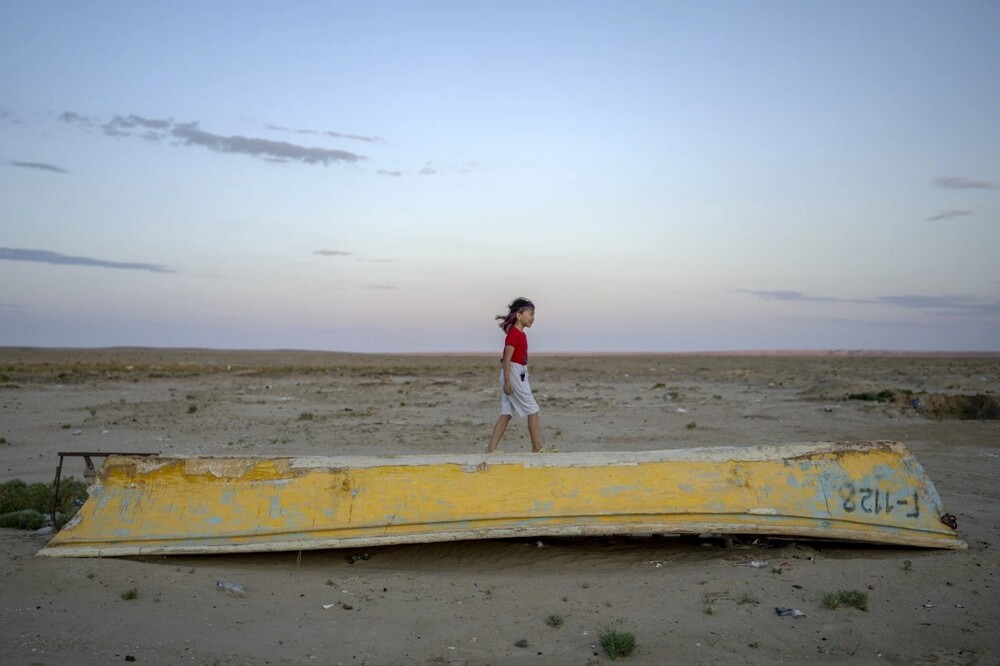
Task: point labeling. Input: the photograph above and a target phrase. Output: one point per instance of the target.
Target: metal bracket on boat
(90, 473)
(950, 520)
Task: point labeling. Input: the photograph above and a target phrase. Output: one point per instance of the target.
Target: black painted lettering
(866, 495)
(916, 507)
(847, 492)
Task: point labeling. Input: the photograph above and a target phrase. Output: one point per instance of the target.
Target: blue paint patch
(275, 508)
(617, 490)
(542, 506)
(686, 487)
(214, 520)
(228, 496)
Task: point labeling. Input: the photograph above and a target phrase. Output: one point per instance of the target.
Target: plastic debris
(328, 606)
(793, 612)
(232, 589)
(355, 558)
(758, 564)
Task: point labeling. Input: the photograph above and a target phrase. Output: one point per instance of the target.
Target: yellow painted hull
(862, 491)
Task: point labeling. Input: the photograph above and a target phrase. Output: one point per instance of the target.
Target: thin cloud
(48, 257)
(951, 214)
(799, 296)
(38, 165)
(431, 167)
(191, 134)
(924, 302)
(909, 301)
(333, 253)
(335, 135)
(394, 174)
(961, 183)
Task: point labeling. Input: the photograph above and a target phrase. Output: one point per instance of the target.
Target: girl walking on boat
(515, 394)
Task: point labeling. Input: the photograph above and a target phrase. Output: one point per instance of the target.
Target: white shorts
(520, 402)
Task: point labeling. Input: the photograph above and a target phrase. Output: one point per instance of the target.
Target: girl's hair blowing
(517, 305)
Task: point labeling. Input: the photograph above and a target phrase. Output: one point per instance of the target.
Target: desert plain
(543, 601)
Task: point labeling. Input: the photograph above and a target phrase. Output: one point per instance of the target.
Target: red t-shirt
(519, 341)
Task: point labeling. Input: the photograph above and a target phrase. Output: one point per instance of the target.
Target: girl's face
(526, 317)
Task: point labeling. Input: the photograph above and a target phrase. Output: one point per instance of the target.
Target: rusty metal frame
(89, 473)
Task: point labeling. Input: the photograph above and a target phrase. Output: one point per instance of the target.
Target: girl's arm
(508, 353)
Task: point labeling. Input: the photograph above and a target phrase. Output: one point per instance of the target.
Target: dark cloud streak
(951, 214)
(42, 166)
(191, 134)
(48, 257)
(961, 183)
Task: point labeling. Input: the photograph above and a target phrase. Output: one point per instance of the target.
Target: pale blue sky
(386, 176)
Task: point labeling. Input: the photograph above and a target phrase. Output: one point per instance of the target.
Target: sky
(657, 176)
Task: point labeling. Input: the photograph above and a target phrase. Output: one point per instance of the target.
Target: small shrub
(130, 594)
(870, 396)
(854, 598)
(659, 385)
(306, 416)
(25, 519)
(523, 643)
(747, 597)
(555, 621)
(16, 495)
(192, 409)
(617, 643)
(691, 426)
(709, 610)
(907, 565)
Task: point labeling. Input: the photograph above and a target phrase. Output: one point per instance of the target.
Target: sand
(687, 601)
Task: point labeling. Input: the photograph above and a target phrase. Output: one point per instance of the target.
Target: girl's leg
(535, 430)
(498, 431)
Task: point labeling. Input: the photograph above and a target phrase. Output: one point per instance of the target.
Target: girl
(515, 396)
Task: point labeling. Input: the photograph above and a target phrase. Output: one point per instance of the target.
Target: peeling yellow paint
(866, 491)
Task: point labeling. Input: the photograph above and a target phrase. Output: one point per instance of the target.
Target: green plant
(691, 426)
(907, 565)
(747, 597)
(854, 598)
(306, 416)
(709, 610)
(130, 594)
(617, 643)
(192, 409)
(16, 495)
(555, 621)
(25, 519)
(882, 396)
(523, 643)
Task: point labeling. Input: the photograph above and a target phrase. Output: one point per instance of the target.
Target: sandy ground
(687, 601)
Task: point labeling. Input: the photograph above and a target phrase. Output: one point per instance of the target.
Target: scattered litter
(758, 564)
(928, 605)
(917, 403)
(354, 558)
(44, 531)
(828, 409)
(657, 563)
(793, 612)
(232, 589)
(959, 606)
(797, 586)
(539, 544)
(681, 410)
(328, 606)
(77, 432)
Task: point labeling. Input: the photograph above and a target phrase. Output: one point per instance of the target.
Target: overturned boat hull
(856, 491)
